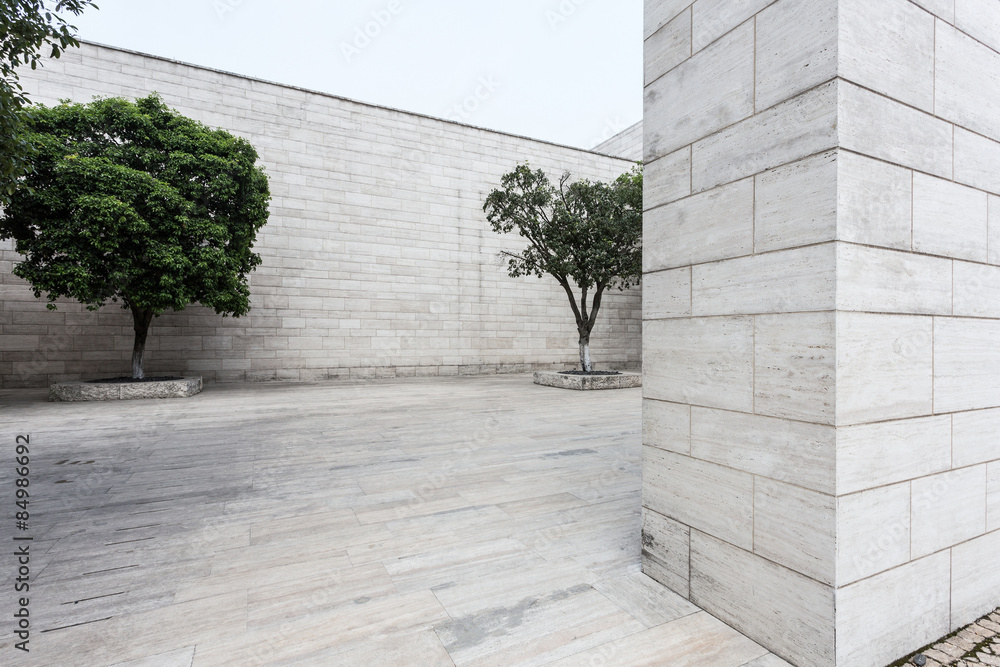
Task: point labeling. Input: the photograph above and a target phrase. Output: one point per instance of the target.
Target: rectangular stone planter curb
(585, 382)
(124, 391)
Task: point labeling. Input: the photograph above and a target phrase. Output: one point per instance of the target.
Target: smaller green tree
(584, 233)
(133, 202)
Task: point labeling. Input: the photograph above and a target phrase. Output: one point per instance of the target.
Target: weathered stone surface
(583, 382)
(114, 391)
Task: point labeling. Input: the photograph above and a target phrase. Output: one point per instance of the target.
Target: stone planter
(584, 382)
(124, 391)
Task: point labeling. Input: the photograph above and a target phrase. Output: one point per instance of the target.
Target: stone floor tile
(697, 640)
(646, 600)
(457, 521)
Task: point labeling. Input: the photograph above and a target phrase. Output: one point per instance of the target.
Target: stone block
(666, 426)
(796, 49)
(967, 95)
(667, 179)
(795, 366)
(949, 219)
(668, 47)
(966, 364)
(800, 279)
(974, 437)
(873, 202)
(994, 229)
(977, 161)
(993, 496)
(666, 551)
(784, 610)
(666, 294)
(712, 498)
(796, 528)
(799, 127)
(979, 19)
(702, 95)
(885, 368)
(623, 380)
(873, 455)
(975, 578)
(888, 46)
(796, 204)
(975, 288)
(882, 128)
(111, 391)
(886, 616)
(708, 226)
(10, 343)
(703, 361)
(887, 281)
(714, 18)
(658, 14)
(781, 449)
(873, 532)
(947, 508)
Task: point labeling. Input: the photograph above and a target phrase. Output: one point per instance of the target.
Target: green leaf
(133, 202)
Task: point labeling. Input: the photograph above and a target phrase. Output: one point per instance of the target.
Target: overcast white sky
(568, 71)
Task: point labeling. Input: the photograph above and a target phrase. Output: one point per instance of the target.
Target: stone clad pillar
(821, 306)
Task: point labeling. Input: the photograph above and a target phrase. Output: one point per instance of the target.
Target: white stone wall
(822, 318)
(626, 144)
(377, 259)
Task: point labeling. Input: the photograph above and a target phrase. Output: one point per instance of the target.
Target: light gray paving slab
(348, 523)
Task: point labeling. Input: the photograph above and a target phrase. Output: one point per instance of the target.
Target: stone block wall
(626, 144)
(822, 318)
(377, 259)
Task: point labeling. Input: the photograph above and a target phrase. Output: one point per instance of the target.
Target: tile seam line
(856, 244)
(890, 313)
(831, 149)
(710, 44)
(838, 145)
(664, 24)
(819, 424)
(831, 587)
(758, 113)
(737, 180)
(915, 170)
(954, 26)
(752, 474)
(319, 93)
(910, 480)
(916, 560)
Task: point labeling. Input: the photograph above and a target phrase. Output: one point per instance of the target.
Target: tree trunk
(140, 324)
(585, 352)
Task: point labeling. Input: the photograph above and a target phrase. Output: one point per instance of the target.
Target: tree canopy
(25, 27)
(133, 202)
(583, 233)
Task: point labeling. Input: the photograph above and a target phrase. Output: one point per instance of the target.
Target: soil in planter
(590, 373)
(161, 378)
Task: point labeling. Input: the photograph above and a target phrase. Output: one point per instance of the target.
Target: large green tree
(585, 234)
(26, 27)
(133, 202)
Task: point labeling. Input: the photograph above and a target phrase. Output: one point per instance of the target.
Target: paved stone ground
(463, 521)
(975, 644)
